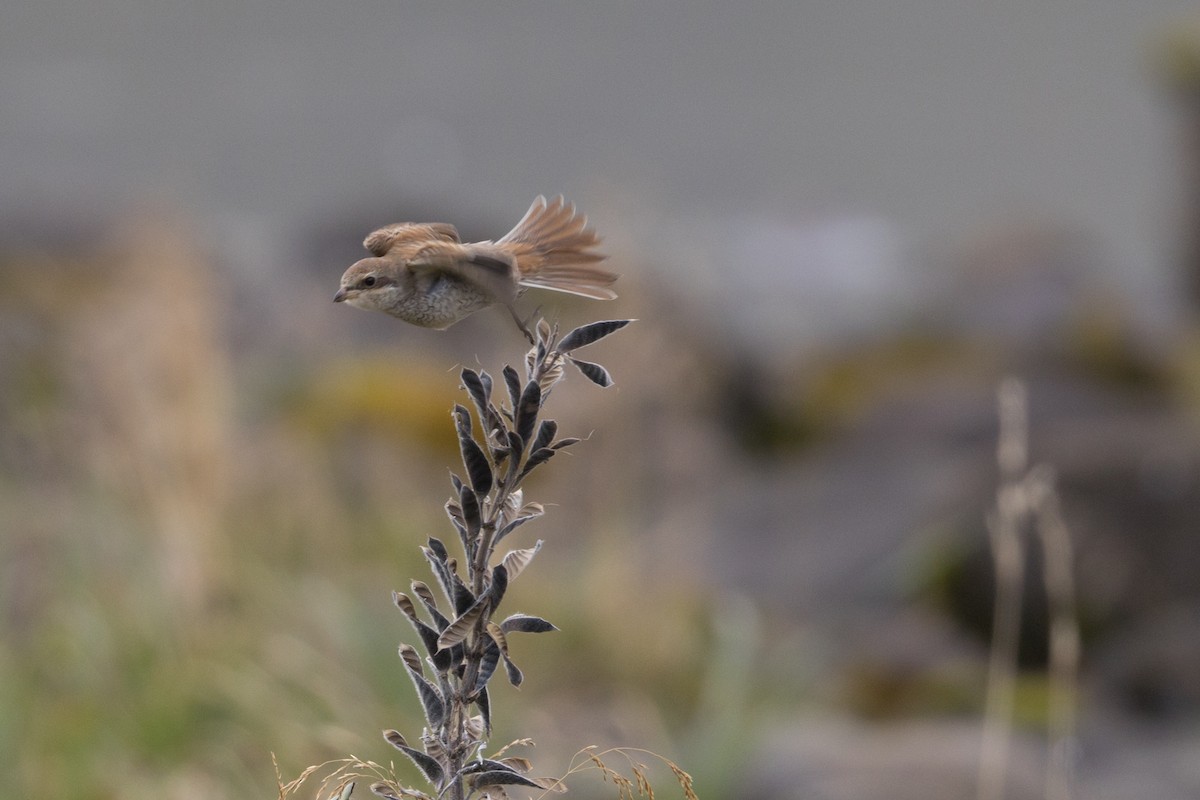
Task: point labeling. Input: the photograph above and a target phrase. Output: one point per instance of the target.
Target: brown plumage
(424, 274)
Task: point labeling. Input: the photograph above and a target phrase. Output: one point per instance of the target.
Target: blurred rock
(1151, 668)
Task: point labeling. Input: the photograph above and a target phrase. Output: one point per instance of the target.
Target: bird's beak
(341, 295)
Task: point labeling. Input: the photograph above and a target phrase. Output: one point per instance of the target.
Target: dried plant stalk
(1059, 576)
(1008, 555)
(464, 640)
(1026, 499)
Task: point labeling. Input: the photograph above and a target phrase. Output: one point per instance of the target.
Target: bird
(424, 274)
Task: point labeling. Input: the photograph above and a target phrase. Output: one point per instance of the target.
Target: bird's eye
(369, 281)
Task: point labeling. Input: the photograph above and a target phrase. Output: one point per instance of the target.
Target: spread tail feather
(553, 248)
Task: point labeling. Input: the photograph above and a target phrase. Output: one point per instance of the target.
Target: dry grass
(635, 784)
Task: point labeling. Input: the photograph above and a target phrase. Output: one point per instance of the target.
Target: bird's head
(367, 284)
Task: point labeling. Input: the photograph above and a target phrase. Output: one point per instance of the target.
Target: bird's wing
(483, 265)
(383, 240)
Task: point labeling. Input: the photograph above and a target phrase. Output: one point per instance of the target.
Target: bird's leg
(523, 324)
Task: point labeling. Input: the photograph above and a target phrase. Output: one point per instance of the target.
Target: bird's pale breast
(441, 303)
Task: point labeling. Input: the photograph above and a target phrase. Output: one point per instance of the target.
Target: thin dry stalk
(1055, 539)
(1008, 554)
(1028, 496)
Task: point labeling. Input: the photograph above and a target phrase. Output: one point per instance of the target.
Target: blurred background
(839, 224)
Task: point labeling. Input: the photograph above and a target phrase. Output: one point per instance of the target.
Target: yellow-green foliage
(405, 403)
(837, 387)
(1177, 56)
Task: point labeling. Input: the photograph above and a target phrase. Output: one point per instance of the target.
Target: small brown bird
(424, 274)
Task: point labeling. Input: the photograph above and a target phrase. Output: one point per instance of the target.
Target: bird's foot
(524, 324)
